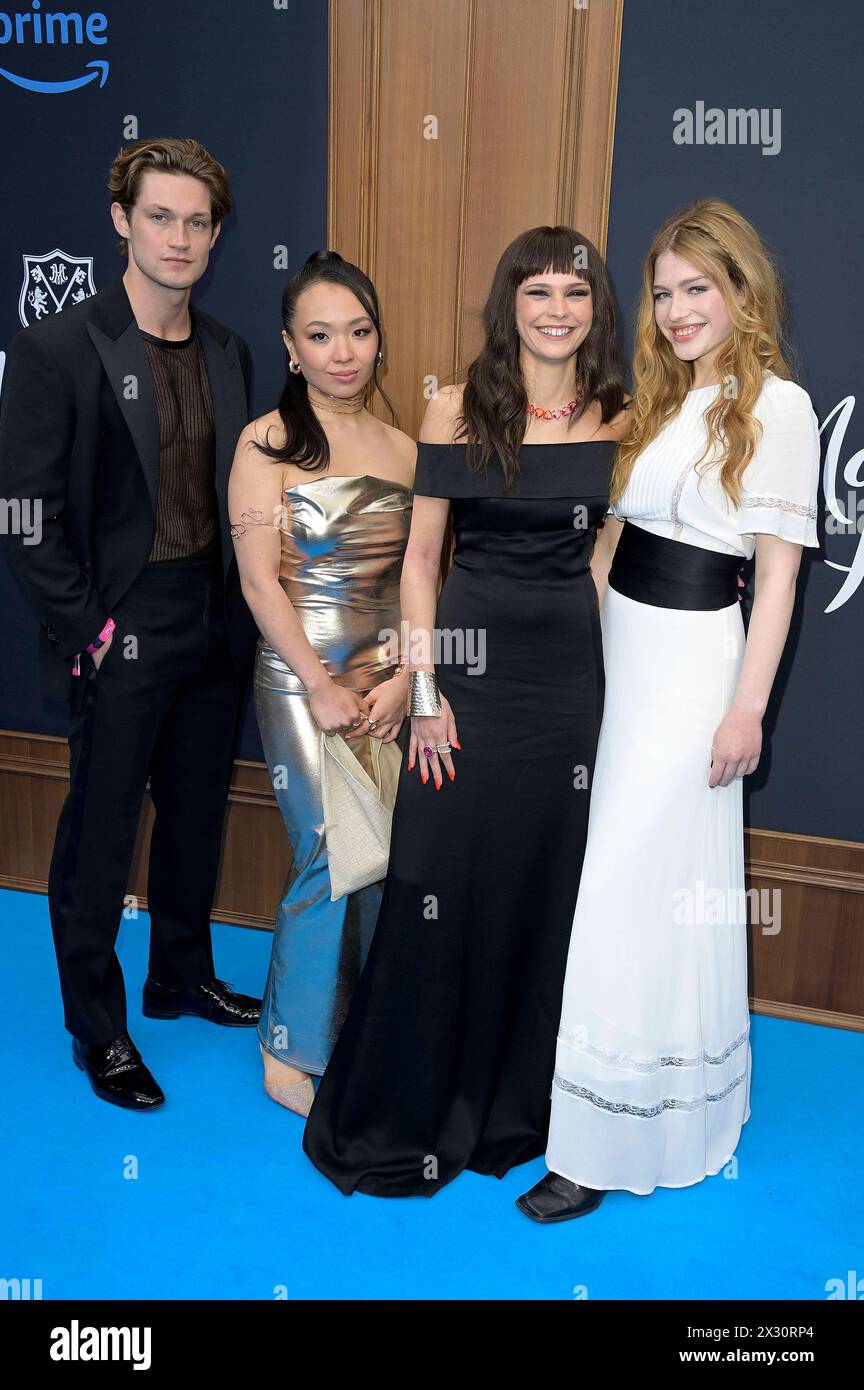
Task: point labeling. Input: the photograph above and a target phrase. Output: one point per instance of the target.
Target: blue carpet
(212, 1197)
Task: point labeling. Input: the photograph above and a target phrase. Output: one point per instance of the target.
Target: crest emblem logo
(51, 282)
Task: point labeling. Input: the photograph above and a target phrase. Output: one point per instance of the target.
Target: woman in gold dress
(320, 499)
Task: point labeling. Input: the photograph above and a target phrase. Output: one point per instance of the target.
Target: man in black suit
(120, 416)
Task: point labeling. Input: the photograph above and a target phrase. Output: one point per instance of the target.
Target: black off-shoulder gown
(446, 1057)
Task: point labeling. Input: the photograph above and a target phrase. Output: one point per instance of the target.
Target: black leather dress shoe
(216, 1001)
(117, 1073)
(555, 1198)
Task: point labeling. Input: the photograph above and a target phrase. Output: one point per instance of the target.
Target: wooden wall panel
(34, 779)
(814, 965)
(811, 970)
(416, 253)
(522, 97)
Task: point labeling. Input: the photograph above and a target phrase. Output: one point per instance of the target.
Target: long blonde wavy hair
(714, 237)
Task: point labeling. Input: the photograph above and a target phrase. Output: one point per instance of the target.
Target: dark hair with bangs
(494, 418)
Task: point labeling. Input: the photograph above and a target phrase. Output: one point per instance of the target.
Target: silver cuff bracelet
(425, 699)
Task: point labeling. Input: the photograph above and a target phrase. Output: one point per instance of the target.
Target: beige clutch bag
(357, 812)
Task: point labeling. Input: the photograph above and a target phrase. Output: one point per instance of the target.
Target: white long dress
(652, 1079)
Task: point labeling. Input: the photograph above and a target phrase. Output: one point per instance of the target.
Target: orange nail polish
(424, 777)
(457, 745)
(437, 784)
(451, 775)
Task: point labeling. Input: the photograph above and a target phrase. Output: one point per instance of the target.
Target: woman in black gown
(446, 1057)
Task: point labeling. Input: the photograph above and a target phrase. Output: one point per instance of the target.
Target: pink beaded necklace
(560, 413)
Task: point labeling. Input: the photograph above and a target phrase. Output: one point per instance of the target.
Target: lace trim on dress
(797, 508)
(621, 1059)
(647, 1112)
(676, 498)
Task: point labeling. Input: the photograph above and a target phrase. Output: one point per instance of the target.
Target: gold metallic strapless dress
(343, 540)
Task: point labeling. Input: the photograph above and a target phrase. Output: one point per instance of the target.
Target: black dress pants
(165, 704)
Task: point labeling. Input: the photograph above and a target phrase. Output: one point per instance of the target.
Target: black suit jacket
(79, 431)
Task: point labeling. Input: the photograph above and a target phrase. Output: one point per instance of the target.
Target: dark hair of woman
(494, 418)
(305, 441)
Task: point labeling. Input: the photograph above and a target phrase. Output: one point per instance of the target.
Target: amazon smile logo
(35, 30)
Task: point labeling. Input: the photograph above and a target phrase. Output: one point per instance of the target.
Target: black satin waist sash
(672, 574)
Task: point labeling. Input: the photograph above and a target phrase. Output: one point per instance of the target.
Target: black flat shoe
(117, 1073)
(216, 1001)
(555, 1198)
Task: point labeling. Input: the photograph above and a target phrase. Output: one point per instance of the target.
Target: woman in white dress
(652, 1077)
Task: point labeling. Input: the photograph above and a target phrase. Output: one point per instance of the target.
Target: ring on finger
(373, 725)
(443, 747)
(429, 752)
